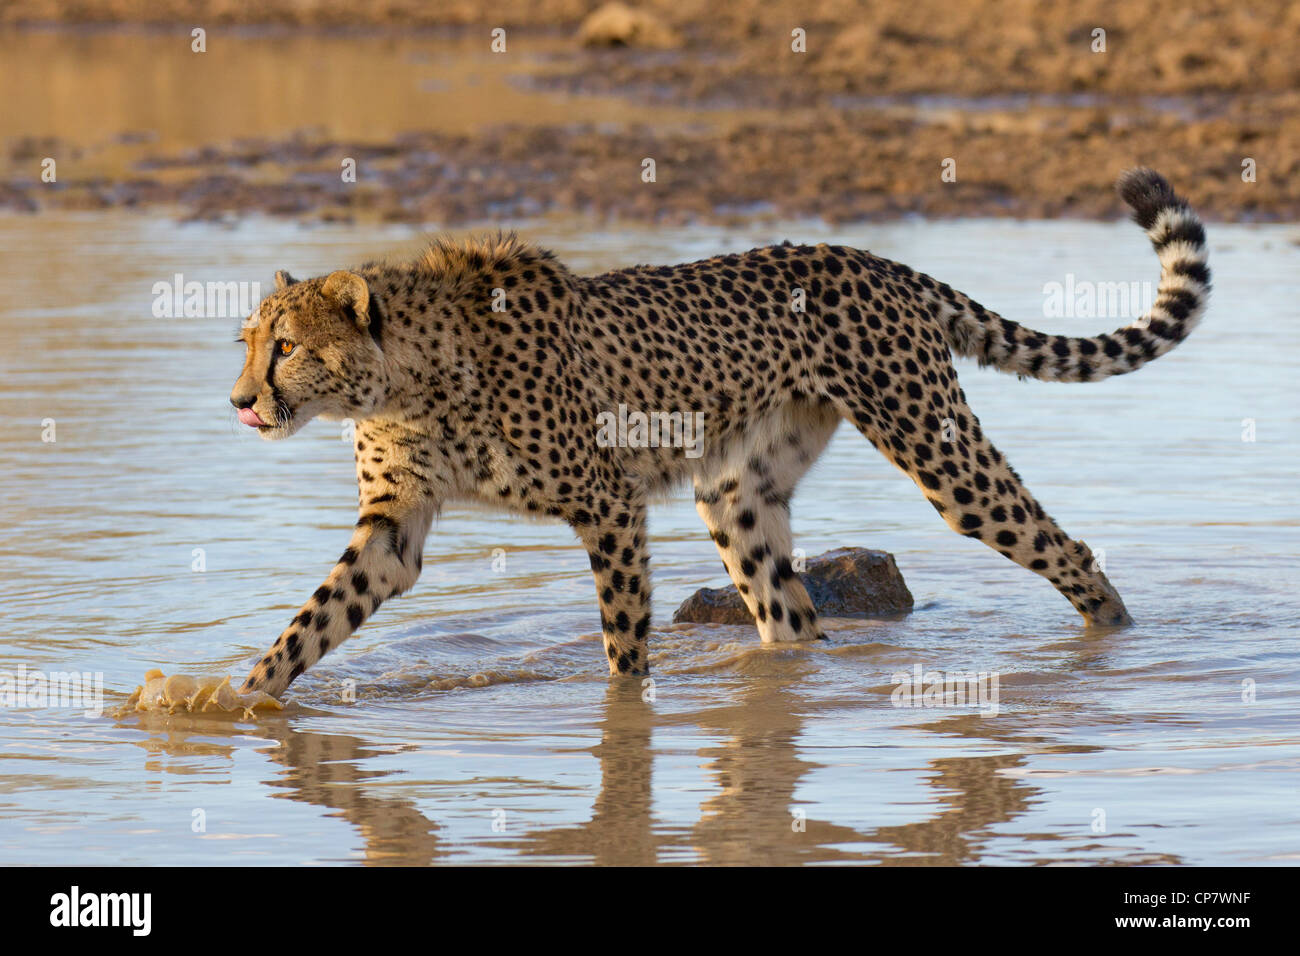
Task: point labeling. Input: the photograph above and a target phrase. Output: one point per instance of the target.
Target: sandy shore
(1012, 97)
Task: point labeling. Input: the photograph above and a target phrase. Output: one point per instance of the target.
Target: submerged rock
(846, 582)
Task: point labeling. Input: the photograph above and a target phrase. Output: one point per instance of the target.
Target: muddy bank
(1009, 99)
(836, 165)
(884, 46)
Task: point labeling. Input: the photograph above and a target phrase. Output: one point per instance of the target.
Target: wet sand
(739, 126)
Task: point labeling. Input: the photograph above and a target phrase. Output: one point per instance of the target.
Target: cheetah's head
(313, 349)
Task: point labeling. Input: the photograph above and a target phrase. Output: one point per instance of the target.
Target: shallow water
(124, 94)
(485, 728)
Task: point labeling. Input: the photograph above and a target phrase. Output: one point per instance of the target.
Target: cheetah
(481, 371)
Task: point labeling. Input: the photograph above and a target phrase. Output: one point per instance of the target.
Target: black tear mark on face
(376, 320)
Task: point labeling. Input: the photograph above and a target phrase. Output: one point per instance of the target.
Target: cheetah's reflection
(753, 818)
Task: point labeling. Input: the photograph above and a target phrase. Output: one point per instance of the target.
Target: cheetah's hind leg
(743, 494)
(977, 492)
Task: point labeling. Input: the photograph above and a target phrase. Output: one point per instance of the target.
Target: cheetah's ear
(283, 280)
(349, 292)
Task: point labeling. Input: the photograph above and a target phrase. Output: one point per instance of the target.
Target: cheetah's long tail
(1179, 239)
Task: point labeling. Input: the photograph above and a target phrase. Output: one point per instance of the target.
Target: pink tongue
(250, 417)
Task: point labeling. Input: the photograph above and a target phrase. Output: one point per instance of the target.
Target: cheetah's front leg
(383, 559)
(620, 562)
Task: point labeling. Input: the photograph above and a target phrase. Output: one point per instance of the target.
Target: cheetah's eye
(285, 347)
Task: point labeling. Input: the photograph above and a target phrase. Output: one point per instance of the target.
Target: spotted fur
(479, 371)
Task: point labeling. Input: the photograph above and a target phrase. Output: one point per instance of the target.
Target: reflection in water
(621, 830)
(326, 770)
(323, 770)
(974, 795)
(755, 818)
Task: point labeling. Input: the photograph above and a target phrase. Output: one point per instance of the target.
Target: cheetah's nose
(251, 418)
